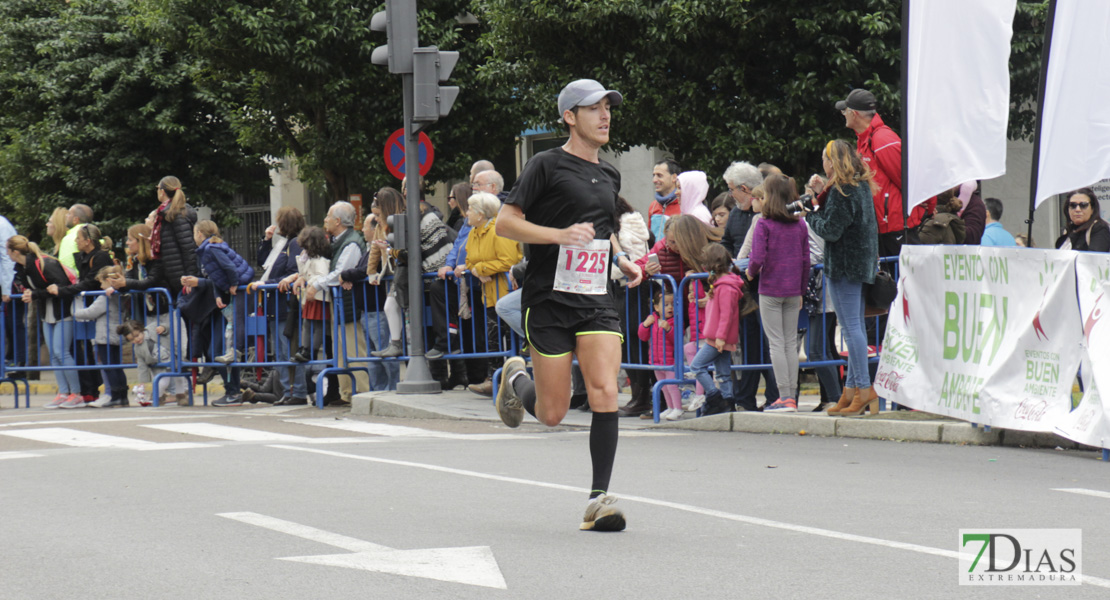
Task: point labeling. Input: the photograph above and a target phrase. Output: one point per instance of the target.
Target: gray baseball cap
(585, 92)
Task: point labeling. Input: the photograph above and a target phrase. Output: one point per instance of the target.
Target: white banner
(1089, 423)
(1075, 122)
(987, 335)
(958, 93)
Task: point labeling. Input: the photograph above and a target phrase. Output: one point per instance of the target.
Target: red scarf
(156, 231)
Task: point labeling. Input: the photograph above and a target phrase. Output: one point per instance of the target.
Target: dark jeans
(89, 379)
(117, 380)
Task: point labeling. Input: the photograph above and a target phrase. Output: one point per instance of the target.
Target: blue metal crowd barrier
(135, 305)
(753, 354)
(460, 338)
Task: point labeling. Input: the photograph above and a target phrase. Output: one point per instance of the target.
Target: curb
(386, 404)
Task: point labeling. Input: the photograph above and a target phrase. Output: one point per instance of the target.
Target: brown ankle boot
(845, 400)
(867, 398)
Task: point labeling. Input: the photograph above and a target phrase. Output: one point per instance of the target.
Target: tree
(90, 114)
(295, 78)
(714, 82)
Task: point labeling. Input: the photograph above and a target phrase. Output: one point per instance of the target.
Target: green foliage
(714, 82)
(91, 114)
(295, 78)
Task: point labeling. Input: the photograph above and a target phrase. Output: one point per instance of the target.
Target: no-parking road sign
(395, 153)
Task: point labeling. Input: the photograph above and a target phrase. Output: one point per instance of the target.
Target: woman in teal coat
(846, 221)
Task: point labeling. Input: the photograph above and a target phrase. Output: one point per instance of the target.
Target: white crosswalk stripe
(383, 429)
(227, 432)
(7, 455)
(85, 439)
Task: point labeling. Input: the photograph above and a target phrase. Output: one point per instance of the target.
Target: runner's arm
(512, 224)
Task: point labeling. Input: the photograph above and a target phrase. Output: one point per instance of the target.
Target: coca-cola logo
(890, 380)
(1031, 410)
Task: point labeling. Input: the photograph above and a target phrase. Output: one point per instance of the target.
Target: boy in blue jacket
(229, 274)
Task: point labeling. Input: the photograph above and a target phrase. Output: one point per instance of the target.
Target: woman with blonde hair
(56, 228)
(489, 257)
(846, 221)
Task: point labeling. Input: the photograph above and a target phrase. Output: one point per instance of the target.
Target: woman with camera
(846, 221)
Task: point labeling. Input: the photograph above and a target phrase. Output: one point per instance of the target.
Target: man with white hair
(347, 247)
(741, 178)
(491, 182)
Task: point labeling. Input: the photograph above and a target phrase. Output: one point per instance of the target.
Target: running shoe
(602, 515)
(73, 401)
(673, 414)
(57, 401)
(784, 405)
(509, 406)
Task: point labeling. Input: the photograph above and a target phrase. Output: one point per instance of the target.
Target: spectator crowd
(747, 255)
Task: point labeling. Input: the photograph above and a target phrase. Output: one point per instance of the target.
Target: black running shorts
(552, 328)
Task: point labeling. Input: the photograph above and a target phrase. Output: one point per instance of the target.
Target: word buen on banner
(987, 335)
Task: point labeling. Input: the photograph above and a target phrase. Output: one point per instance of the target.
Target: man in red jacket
(881, 149)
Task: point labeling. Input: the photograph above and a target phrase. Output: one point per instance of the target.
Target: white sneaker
(673, 414)
(696, 402)
(100, 402)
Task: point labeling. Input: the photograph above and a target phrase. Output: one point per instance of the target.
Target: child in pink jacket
(658, 328)
(721, 330)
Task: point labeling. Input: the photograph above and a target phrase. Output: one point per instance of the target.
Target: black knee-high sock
(603, 449)
(525, 389)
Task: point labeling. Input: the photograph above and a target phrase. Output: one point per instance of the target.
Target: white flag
(958, 89)
(1075, 122)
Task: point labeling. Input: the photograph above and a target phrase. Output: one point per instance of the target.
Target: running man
(563, 205)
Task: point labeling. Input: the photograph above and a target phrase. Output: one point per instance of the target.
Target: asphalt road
(199, 503)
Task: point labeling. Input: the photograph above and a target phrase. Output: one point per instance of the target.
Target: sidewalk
(900, 426)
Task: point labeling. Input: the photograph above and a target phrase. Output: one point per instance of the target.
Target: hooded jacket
(695, 186)
(722, 313)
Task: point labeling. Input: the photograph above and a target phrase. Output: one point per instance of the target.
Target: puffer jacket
(178, 252)
(670, 263)
(223, 265)
(633, 236)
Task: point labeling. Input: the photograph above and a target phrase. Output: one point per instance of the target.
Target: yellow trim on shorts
(620, 335)
(528, 338)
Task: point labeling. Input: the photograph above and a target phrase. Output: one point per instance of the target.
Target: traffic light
(398, 20)
(430, 67)
(396, 236)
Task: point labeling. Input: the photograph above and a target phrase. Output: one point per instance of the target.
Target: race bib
(583, 269)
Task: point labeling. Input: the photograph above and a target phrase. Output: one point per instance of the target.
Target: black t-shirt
(558, 189)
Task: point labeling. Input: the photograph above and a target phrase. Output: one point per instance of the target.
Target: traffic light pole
(418, 378)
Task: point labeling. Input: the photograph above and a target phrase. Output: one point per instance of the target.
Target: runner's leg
(550, 398)
(599, 358)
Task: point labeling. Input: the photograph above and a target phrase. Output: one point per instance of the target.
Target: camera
(803, 203)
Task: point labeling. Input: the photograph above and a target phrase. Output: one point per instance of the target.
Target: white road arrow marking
(473, 565)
